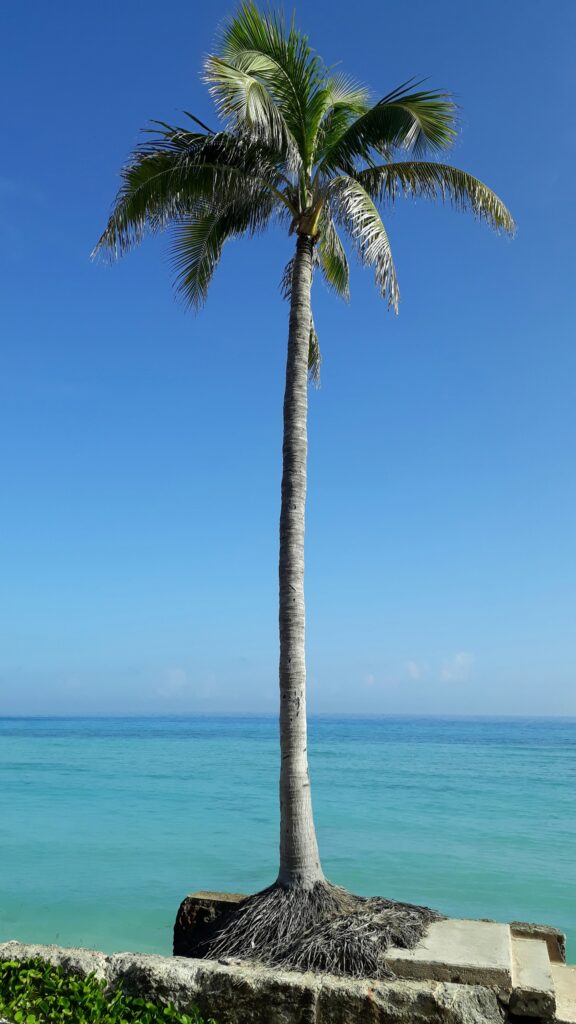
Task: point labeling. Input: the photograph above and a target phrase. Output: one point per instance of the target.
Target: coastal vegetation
(306, 148)
(34, 992)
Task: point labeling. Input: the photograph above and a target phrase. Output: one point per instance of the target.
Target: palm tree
(304, 147)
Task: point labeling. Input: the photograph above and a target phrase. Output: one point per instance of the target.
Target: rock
(533, 986)
(160, 979)
(231, 994)
(460, 951)
(73, 961)
(196, 917)
(342, 1001)
(237, 994)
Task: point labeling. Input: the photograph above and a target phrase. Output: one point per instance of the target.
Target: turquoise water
(105, 824)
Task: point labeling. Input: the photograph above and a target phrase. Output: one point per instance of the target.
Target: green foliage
(353, 207)
(333, 259)
(259, 51)
(437, 181)
(34, 992)
(300, 145)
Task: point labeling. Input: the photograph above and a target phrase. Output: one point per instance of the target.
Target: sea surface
(105, 824)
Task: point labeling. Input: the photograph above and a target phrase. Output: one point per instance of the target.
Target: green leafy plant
(34, 992)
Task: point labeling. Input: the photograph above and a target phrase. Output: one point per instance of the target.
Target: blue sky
(140, 445)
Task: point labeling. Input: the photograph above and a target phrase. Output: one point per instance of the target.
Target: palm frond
(281, 59)
(344, 90)
(179, 174)
(438, 181)
(245, 103)
(354, 210)
(219, 148)
(197, 244)
(314, 356)
(196, 250)
(153, 190)
(413, 121)
(343, 102)
(286, 280)
(332, 257)
(196, 120)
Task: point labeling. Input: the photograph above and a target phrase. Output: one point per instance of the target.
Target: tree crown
(300, 144)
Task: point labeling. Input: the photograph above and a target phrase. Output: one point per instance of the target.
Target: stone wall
(246, 994)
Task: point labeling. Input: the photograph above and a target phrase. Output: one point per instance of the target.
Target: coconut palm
(305, 147)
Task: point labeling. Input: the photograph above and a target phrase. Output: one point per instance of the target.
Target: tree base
(324, 928)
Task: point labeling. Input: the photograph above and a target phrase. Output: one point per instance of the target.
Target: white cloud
(370, 679)
(458, 667)
(174, 682)
(415, 669)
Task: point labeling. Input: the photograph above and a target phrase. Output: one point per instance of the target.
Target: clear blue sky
(140, 445)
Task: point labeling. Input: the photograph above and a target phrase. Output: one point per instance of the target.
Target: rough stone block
(343, 1001)
(532, 984)
(565, 986)
(196, 917)
(73, 961)
(469, 952)
(248, 994)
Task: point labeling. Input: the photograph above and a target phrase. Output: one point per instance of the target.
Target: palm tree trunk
(301, 921)
(299, 857)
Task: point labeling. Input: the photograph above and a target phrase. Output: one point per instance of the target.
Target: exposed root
(324, 929)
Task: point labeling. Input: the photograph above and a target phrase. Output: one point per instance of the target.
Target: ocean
(107, 823)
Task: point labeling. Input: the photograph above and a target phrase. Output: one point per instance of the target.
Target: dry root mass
(324, 929)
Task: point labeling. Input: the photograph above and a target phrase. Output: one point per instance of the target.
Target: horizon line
(96, 715)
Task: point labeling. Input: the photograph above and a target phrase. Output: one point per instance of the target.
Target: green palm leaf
(437, 181)
(196, 250)
(314, 356)
(247, 105)
(414, 121)
(179, 174)
(153, 191)
(197, 244)
(282, 60)
(335, 108)
(355, 211)
(332, 257)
